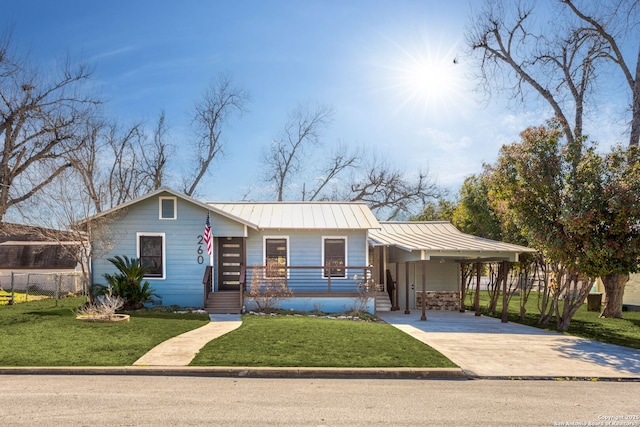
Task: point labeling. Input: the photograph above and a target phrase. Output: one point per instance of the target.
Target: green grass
(299, 341)
(586, 324)
(46, 333)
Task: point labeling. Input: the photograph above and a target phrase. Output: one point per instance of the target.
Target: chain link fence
(30, 286)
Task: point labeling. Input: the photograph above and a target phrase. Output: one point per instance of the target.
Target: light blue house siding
(185, 255)
(305, 248)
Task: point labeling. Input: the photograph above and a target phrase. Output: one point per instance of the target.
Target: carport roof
(436, 237)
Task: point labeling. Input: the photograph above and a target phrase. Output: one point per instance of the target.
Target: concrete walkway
(180, 350)
(485, 347)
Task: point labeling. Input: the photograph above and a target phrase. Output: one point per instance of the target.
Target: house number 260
(200, 251)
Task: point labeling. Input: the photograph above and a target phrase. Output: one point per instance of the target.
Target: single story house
(322, 251)
(166, 229)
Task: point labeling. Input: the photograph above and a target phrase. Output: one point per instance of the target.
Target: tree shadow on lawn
(62, 312)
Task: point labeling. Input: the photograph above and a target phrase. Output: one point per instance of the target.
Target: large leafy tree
(442, 210)
(474, 213)
(577, 206)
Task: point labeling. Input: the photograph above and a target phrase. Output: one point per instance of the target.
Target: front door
(230, 261)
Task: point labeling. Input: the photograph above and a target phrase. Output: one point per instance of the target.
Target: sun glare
(429, 80)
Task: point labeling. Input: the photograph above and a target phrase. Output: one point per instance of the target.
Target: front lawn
(586, 324)
(46, 333)
(300, 341)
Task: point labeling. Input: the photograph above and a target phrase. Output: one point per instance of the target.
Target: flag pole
(208, 239)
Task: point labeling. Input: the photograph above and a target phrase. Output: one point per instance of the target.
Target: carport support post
(424, 291)
(406, 282)
(396, 305)
(476, 297)
(505, 270)
(463, 279)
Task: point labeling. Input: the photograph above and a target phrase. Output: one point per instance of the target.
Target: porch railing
(311, 279)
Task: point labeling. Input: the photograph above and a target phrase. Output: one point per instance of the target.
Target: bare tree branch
(559, 63)
(117, 164)
(389, 192)
(155, 156)
(340, 161)
(219, 102)
(39, 117)
(301, 132)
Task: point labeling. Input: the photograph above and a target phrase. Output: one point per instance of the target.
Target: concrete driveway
(486, 347)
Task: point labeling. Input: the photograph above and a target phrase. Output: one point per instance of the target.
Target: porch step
(383, 303)
(223, 303)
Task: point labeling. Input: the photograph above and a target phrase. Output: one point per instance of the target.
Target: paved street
(29, 400)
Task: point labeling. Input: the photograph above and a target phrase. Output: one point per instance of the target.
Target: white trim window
(168, 208)
(334, 256)
(276, 256)
(151, 250)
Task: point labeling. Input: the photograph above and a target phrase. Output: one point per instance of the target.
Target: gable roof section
(173, 193)
(303, 215)
(437, 236)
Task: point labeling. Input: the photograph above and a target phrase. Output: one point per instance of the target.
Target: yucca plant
(129, 283)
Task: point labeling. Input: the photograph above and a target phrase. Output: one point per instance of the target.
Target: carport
(426, 262)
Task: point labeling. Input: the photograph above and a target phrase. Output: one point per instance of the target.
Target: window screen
(151, 255)
(276, 257)
(334, 257)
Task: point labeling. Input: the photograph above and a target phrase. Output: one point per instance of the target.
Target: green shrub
(128, 283)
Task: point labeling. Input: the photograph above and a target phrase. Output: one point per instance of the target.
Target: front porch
(303, 288)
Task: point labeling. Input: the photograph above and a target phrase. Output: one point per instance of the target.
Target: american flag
(207, 236)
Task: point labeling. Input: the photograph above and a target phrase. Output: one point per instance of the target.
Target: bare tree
(63, 205)
(345, 175)
(88, 168)
(612, 24)
(340, 161)
(389, 192)
(123, 183)
(218, 104)
(286, 154)
(117, 163)
(561, 63)
(155, 156)
(40, 114)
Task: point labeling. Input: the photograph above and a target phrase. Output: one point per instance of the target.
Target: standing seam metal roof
(437, 236)
(302, 215)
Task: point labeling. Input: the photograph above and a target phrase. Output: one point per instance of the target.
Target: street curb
(558, 378)
(303, 373)
(245, 372)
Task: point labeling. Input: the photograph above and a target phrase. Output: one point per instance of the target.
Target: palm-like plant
(129, 283)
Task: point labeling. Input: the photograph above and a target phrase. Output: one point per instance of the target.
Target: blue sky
(366, 59)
